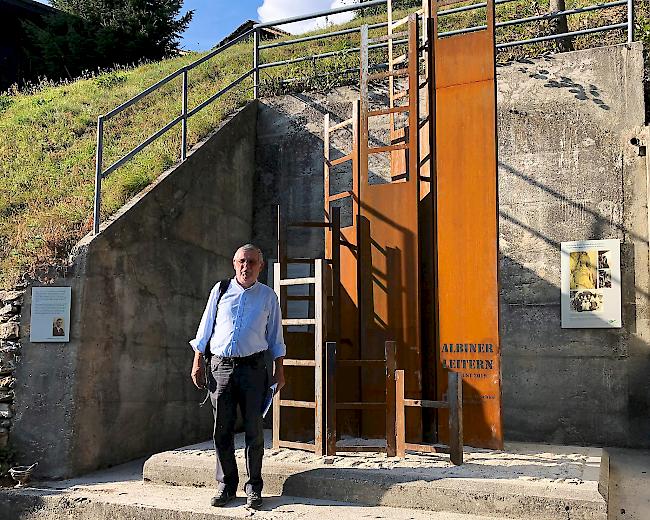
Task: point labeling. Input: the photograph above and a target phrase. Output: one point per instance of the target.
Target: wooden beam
(297, 445)
(292, 403)
(390, 349)
(340, 125)
(455, 397)
(400, 423)
(299, 362)
(424, 403)
(330, 397)
(319, 338)
(299, 321)
(298, 281)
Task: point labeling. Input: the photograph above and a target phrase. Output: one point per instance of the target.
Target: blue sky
(214, 19)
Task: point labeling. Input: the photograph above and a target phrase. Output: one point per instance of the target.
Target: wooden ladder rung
(297, 404)
(298, 281)
(386, 111)
(337, 196)
(361, 449)
(427, 448)
(387, 37)
(359, 405)
(387, 74)
(340, 160)
(297, 445)
(389, 148)
(299, 362)
(424, 403)
(340, 125)
(298, 321)
(400, 59)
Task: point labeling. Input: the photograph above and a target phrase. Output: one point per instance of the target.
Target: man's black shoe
(253, 499)
(222, 498)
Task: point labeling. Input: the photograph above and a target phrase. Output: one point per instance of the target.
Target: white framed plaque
(50, 318)
(591, 284)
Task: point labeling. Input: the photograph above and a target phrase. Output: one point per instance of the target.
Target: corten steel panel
(348, 387)
(389, 261)
(467, 228)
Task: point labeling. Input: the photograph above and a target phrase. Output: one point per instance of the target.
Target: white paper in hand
(269, 399)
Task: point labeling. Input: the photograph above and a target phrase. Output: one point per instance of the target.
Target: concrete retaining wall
(120, 389)
(567, 172)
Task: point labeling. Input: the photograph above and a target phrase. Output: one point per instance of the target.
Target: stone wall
(121, 388)
(11, 303)
(567, 171)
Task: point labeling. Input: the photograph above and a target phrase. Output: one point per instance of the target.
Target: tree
(151, 26)
(92, 34)
(559, 26)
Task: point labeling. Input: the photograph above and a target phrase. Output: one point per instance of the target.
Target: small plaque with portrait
(591, 284)
(50, 318)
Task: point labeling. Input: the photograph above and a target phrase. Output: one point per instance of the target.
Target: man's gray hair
(251, 247)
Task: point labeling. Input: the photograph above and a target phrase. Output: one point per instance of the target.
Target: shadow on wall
(580, 92)
(574, 386)
(584, 386)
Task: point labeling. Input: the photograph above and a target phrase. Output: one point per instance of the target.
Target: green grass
(47, 134)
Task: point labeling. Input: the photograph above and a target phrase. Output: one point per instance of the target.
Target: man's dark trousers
(242, 381)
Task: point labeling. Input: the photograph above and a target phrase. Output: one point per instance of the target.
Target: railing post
(184, 122)
(98, 174)
(256, 64)
(630, 21)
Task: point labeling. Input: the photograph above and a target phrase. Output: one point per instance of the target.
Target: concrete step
(143, 501)
(536, 482)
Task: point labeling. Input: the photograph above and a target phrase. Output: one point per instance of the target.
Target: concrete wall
(120, 389)
(567, 172)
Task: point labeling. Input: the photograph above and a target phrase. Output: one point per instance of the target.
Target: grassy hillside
(47, 135)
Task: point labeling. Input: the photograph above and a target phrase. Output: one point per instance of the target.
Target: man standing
(237, 327)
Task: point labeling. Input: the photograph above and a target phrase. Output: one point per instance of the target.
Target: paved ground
(120, 494)
(629, 485)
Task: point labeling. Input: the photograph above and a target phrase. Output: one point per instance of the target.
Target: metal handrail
(100, 174)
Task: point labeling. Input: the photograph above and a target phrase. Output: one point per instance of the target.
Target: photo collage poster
(591, 284)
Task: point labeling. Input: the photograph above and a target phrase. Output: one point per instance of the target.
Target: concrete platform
(120, 494)
(524, 481)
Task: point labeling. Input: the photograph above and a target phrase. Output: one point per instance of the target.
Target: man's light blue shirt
(248, 321)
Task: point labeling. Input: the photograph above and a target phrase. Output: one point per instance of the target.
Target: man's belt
(241, 360)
